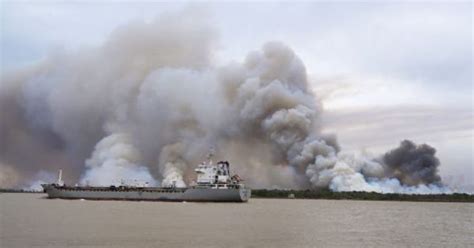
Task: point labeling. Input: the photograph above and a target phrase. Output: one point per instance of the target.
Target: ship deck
(144, 189)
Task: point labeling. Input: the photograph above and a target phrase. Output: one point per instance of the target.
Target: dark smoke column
(413, 164)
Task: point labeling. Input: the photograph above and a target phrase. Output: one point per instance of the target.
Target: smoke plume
(412, 164)
(115, 161)
(149, 103)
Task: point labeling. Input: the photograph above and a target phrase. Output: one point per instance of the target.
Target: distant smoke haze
(148, 104)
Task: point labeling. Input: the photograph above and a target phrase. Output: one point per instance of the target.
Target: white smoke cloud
(42, 177)
(172, 165)
(115, 161)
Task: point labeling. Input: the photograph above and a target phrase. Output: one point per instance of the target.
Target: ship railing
(218, 185)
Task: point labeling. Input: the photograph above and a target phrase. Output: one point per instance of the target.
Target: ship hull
(149, 194)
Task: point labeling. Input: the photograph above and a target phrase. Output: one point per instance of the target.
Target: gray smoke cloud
(413, 164)
(149, 104)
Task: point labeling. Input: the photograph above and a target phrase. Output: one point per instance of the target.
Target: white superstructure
(208, 173)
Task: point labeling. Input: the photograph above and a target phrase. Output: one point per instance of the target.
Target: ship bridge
(209, 173)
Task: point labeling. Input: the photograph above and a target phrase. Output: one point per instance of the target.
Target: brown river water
(30, 220)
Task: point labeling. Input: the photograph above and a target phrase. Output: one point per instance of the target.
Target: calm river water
(29, 220)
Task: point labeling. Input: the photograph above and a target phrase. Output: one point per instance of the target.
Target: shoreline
(325, 194)
(364, 196)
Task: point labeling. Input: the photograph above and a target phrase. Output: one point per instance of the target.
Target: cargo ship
(214, 184)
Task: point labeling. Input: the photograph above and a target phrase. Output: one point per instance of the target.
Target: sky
(383, 71)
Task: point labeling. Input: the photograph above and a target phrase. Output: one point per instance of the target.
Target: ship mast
(210, 155)
(60, 181)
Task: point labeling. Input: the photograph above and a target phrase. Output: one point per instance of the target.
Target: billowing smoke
(406, 169)
(116, 161)
(148, 105)
(412, 164)
(173, 165)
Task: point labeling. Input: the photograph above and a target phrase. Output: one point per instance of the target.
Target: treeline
(19, 191)
(355, 195)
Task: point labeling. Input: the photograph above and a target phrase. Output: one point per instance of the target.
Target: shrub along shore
(19, 191)
(327, 194)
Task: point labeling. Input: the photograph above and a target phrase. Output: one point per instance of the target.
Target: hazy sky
(385, 72)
